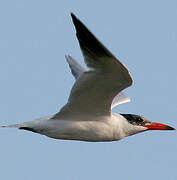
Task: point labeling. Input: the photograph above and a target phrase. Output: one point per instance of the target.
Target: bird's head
(139, 124)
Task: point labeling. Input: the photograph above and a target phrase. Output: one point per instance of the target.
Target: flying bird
(87, 116)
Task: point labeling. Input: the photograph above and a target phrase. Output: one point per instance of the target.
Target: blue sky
(36, 81)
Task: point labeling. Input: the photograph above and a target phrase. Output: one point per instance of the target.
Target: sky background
(36, 80)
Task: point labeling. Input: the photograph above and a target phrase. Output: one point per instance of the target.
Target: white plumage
(87, 115)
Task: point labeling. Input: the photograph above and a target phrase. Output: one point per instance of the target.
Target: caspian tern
(87, 115)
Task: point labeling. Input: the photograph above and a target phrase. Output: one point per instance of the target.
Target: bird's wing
(77, 70)
(75, 67)
(94, 91)
(120, 98)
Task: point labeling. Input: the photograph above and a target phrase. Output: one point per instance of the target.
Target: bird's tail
(23, 126)
(13, 126)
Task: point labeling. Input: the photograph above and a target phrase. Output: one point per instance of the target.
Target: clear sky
(35, 81)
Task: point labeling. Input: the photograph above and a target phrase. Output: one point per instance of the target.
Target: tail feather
(28, 129)
(19, 126)
(13, 126)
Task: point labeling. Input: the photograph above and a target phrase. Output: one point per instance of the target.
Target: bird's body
(87, 116)
(106, 128)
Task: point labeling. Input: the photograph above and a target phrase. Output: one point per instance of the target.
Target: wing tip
(74, 18)
(73, 15)
(67, 57)
(79, 26)
(70, 60)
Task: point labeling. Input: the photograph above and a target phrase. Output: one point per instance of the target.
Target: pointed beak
(158, 126)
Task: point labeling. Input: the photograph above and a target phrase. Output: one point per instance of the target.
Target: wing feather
(77, 70)
(94, 91)
(75, 67)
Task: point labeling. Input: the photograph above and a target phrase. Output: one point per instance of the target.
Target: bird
(88, 116)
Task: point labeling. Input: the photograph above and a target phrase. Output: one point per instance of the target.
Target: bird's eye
(139, 119)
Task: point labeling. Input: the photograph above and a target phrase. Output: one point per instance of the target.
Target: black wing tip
(77, 23)
(89, 44)
(73, 15)
(74, 18)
